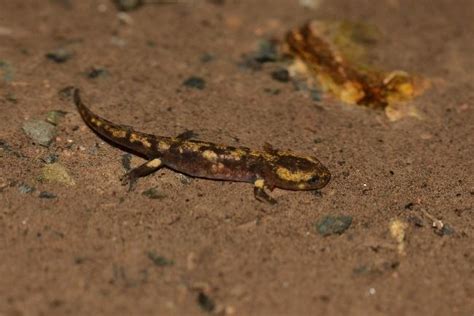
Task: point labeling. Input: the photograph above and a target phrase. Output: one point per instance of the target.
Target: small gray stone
(51, 158)
(59, 56)
(153, 194)
(330, 225)
(25, 188)
(40, 132)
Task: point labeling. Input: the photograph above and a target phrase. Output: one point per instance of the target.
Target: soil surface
(83, 244)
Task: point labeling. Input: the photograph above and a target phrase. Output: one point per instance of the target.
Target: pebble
(153, 193)
(60, 55)
(158, 260)
(126, 161)
(205, 302)
(281, 75)
(195, 82)
(7, 69)
(267, 52)
(56, 172)
(128, 5)
(47, 195)
(330, 225)
(25, 188)
(55, 116)
(40, 132)
(96, 72)
(51, 158)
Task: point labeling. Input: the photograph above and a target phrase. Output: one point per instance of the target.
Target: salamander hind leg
(131, 177)
(260, 194)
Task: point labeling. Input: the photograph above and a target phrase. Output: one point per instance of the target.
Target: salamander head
(292, 172)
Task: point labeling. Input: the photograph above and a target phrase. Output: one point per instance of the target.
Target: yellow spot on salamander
(237, 154)
(193, 146)
(163, 145)
(218, 168)
(296, 176)
(96, 122)
(118, 133)
(155, 163)
(210, 155)
(141, 139)
(260, 183)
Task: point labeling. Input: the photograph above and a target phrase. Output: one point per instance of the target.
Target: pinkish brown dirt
(89, 250)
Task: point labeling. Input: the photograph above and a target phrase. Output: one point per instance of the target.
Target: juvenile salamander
(269, 168)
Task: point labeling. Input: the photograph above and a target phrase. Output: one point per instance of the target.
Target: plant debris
(330, 54)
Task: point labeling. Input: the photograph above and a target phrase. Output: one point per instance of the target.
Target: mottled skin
(266, 169)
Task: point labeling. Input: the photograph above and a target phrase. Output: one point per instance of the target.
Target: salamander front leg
(260, 194)
(131, 177)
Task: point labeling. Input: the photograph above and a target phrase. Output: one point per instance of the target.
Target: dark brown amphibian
(265, 169)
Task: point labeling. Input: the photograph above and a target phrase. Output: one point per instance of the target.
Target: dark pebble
(11, 97)
(51, 158)
(126, 158)
(158, 260)
(267, 52)
(128, 5)
(153, 193)
(205, 302)
(272, 91)
(317, 193)
(66, 93)
(415, 220)
(206, 58)
(249, 62)
(409, 206)
(8, 149)
(7, 71)
(315, 94)
(47, 195)
(60, 55)
(195, 82)
(217, 2)
(281, 75)
(330, 225)
(96, 72)
(445, 231)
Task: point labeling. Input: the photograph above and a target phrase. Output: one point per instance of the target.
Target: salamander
(266, 169)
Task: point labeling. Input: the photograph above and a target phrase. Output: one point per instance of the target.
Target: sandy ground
(197, 246)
